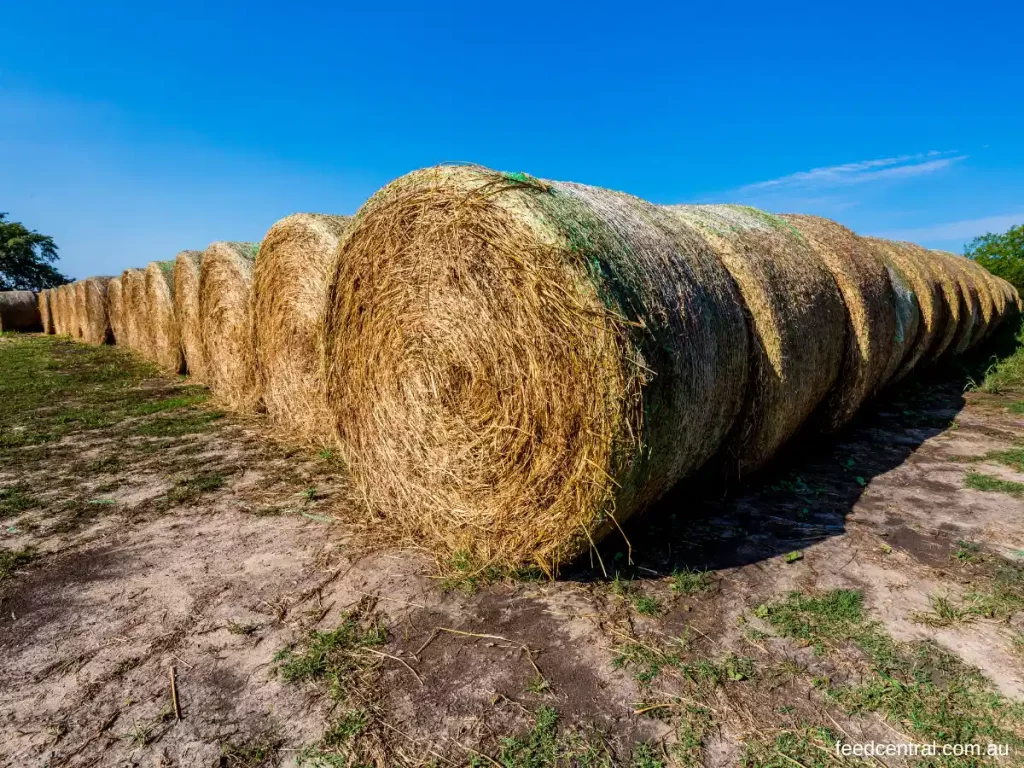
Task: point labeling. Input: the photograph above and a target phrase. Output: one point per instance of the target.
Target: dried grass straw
(133, 311)
(94, 320)
(797, 325)
(906, 268)
(19, 311)
(165, 340)
(970, 301)
(57, 309)
(115, 310)
(289, 284)
(515, 366)
(871, 315)
(225, 278)
(45, 313)
(78, 310)
(186, 312)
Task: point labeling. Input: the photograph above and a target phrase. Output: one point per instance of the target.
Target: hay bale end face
(115, 310)
(159, 299)
(45, 311)
(225, 278)
(289, 288)
(95, 322)
(514, 366)
(871, 315)
(786, 292)
(186, 312)
(19, 311)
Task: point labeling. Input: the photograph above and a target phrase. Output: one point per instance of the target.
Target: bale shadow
(803, 497)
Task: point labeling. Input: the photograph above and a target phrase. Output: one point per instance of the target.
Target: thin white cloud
(966, 229)
(902, 166)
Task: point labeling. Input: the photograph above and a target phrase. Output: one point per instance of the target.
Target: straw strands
(871, 314)
(78, 310)
(186, 312)
(45, 313)
(165, 341)
(94, 323)
(289, 283)
(786, 291)
(19, 311)
(515, 366)
(225, 277)
(115, 310)
(133, 318)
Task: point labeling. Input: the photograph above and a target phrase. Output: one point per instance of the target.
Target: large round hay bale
(907, 266)
(985, 289)
(45, 313)
(95, 323)
(115, 310)
(871, 320)
(289, 287)
(57, 309)
(159, 297)
(66, 296)
(796, 318)
(515, 366)
(908, 322)
(186, 312)
(78, 310)
(970, 305)
(19, 311)
(225, 278)
(953, 301)
(134, 320)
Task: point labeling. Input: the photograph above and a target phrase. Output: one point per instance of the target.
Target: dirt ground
(868, 588)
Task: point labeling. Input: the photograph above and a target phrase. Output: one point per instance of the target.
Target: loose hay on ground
(165, 340)
(186, 312)
(225, 278)
(19, 311)
(289, 287)
(796, 318)
(871, 315)
(514, 366)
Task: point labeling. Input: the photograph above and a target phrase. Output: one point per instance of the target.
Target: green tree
(26, 258)
(1002, 255)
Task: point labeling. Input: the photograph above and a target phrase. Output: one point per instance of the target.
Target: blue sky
(130, 131)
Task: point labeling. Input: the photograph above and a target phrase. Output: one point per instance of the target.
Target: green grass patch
(188, 423)
(194, 487)
(927, 691)
(979, 481)
(12, 560)
(15, 499)
(1006, 373)
(691, 582)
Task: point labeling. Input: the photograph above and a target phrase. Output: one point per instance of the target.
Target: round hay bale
(985, 289)
(908, 321)
(867, 294)
(133, 311)
(796, 318)
(45, 313)
(515, 366)
(78, 309)
(95, 323)
(66, 295)
(289, 286)
(159, 298)
(952, 300)
(19, 311)
(225, 277)
(186, 312)
(970, 305)
(115, 310)
(57, 309)
(909, 267)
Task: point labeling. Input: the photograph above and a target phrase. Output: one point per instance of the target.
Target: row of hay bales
(511, 367)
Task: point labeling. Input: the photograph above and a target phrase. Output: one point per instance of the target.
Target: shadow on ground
(802, 498)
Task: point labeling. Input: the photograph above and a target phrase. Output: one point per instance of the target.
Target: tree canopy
(26, 258)
(1002, 255)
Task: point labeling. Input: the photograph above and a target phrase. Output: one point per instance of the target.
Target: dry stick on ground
(174, 698)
